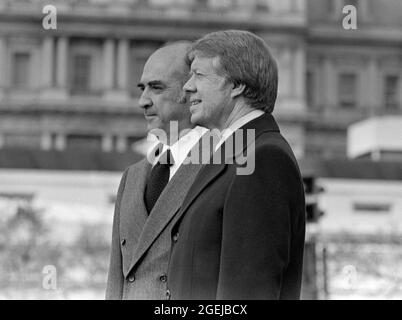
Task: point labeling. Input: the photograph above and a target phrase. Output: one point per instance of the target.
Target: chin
(196, 119)
(153, 124)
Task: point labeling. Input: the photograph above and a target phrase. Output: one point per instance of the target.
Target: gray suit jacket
(141, 243)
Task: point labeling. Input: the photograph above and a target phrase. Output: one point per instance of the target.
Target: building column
(400, 89)
(329, 84)
(294, 83)
(319, 84)
(116, 70)
(60, 142)
(122, 64)
(46, 141)
(54, 67)
(1, 140)
(371, 91)
(108, 64)
(338, 8)
(284, 67)
(300, 74)
(47, 62)
(62, 53)
(107, 143)
(121, 144)
(3, 64)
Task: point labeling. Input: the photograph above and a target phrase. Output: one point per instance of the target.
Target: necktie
(158, 179)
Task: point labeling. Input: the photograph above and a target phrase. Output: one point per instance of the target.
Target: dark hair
(244, 59)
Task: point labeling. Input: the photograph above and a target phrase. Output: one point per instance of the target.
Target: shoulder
(136, 166)
(271, 146)
(269, 156)
(130, 171)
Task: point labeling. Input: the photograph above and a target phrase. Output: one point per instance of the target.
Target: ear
(237, 90)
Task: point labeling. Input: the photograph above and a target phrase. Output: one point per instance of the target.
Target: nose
(144, 101)
(189, 86)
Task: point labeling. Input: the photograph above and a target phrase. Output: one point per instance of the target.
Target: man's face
(163, 99)
(209, 93)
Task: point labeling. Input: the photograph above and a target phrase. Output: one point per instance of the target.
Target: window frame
(28, 72)
(74, 87)
(356, 93)
(397, 104)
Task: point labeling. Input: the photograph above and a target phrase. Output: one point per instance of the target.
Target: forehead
(163, 67)
(207, 64)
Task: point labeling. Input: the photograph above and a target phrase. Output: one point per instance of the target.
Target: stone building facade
(75, 87)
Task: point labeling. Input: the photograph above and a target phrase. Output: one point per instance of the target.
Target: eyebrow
(150, 83)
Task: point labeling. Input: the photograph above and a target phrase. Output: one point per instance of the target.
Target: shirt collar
(238, 124)
(180, 149)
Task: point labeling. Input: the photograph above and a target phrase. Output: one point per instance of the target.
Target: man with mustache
(151, 191)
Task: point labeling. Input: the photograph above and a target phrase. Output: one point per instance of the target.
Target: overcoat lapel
(205, 176)
(167, 205)
(133, 214)
(211, 171)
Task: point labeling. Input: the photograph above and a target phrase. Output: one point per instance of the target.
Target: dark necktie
(158, 179)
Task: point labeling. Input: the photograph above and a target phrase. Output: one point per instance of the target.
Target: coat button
(131, 278)
(163, 278)
(123, 242)
(176, 237)
(168, 294)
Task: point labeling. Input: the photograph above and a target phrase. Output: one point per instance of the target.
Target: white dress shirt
(179, 150)
(237, 124)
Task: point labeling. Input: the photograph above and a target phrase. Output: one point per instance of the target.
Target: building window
(347, 90)
(84, 142)
(391, 92)
(21, 74)
(81, 74)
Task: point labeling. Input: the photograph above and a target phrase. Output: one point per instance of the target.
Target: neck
(239, 110)
(172, 138)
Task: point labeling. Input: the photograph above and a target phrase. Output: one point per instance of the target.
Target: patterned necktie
(158, 179)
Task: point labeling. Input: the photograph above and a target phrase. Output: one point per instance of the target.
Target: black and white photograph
(201, 150)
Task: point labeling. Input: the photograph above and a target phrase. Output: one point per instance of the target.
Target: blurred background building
(70, 121)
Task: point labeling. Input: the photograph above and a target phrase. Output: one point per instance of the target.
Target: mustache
(183, 98)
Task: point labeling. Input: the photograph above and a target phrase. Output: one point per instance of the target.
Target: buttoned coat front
(140, 242)
(242, 236)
